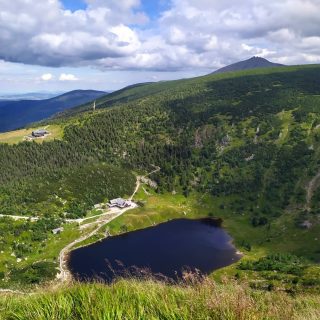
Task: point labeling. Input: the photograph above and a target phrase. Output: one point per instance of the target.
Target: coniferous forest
(252, 135)
(248, 140)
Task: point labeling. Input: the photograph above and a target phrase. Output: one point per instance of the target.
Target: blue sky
(60, 45)
(152, 8)
(74, 4)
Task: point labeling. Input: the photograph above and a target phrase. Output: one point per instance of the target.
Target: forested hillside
(256, 135)
(250, 139)
(203, 132)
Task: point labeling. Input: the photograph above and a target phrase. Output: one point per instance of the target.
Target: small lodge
(39, 133)
(57, 231)
(119, 202)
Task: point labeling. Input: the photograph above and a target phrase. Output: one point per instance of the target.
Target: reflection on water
(167, 249)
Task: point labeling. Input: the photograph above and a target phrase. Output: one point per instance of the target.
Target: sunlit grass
(148, 299)
(14, 137)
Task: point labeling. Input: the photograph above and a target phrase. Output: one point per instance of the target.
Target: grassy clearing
(286, 119)
(14, 137)
(136, 299)
(46, 251)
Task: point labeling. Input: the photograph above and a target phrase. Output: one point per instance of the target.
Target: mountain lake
(165, 251)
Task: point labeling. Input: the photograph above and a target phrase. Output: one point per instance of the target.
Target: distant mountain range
(252, 63)
(17, 114)
(29, 96)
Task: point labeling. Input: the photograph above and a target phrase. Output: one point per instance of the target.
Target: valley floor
(256, 243)
(226, 294)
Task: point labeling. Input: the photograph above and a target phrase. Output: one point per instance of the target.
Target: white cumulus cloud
(47, 77)
(188, 34)
(67, 77)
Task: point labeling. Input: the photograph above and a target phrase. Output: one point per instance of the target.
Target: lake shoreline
(209, 224)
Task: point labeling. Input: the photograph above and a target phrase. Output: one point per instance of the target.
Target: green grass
(286, 119)
(14, 137)
(135, 299)
(48, 251)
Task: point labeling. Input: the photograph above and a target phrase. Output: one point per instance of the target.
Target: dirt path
(33, 219)
(311, 188)
(136, 188)
(64, 275)
(139, 181)
(104, 219)
(146, 192)
(19, 217)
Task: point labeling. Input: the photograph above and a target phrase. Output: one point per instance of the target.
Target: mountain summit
(252, 63)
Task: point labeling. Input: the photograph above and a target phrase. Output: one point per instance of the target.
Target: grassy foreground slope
(136, 299)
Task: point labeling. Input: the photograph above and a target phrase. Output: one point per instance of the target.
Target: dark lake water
(167, 249)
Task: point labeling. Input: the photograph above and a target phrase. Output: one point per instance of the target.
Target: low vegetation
(147, 299)
(29, 251)
(71, 194)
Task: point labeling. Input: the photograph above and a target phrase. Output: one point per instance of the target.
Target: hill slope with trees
(248, 140)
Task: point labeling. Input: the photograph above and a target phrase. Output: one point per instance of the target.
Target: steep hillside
(243, 146)
(252, 63)
(17, 114)
(136, 92)
(124, 95)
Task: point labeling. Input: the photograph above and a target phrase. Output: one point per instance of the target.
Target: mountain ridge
(17, 114)
(134, 92)
(29, 96)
